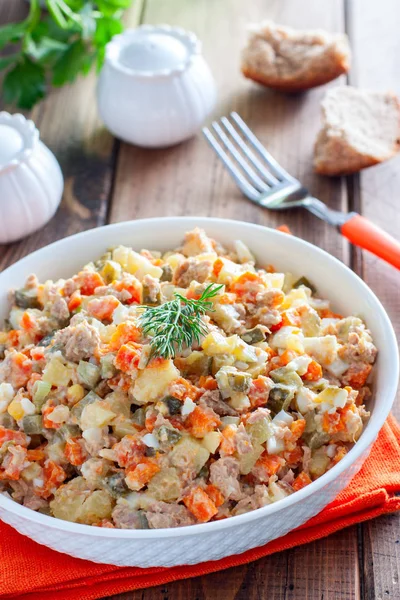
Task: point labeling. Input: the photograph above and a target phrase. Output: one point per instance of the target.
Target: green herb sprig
(177, 323)
(55, 44)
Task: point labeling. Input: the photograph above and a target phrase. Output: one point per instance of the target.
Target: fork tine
(271, 180)
(255, 180)
(271, 162)
(247, 189)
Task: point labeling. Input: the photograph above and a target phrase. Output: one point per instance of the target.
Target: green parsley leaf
(25, 84)
(69, 65)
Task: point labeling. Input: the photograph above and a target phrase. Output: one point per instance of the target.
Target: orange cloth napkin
(29, 571)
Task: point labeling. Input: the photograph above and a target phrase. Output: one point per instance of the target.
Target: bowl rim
(366, 439)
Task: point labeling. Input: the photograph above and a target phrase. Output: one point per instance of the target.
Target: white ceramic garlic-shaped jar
(31, 182)
(155, 88)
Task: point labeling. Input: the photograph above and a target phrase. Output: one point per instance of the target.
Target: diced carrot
(214, 493)
(105, 523)
(151, 418)
(293, 457)
(227, 298)
(36, 455)
(28, 322)
(227, 446)
(129, 451)
(21, 370)
(217, 266)
(121, 382)
(32, 380)
(270, 269)
(37, 353)
(140, 475)
(332, 422)
(291, 318)
(287, 356)
(9, 435)
(75, 301)
(340, 453)
(128, 357)
(181, 388)
(297, 428)
(248, 284)
(200, 504)
(48, 423)
(191, 294)
(259, 390)
(125, 332)
(301, 481)
(200, 422)
(102, 308)
(357, 376)
(326, 313)
(208, 383)
(284, 228)
(314, 371)
(132, 285)
(268, 464)
(88, 281)
(75, 452)
(13, 337)
(54, 475)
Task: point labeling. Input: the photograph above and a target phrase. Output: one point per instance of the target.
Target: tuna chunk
(59, 310)
(224, 474)
(125, 517)
(196, 242)
(79, 341)
(359, 348)
(163, 515)
(192, 270)
(212, 399)
(243, 443)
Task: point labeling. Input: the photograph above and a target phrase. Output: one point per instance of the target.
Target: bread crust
(295, 86)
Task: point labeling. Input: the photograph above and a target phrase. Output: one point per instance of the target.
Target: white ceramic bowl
(210, 541)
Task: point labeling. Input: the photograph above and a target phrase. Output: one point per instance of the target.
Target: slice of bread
(291, 60)
(360, 128)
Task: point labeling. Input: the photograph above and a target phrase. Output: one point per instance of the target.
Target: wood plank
(188, 180)
(376, 48)
(69, 125)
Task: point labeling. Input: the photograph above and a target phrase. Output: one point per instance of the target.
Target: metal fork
(262, 179)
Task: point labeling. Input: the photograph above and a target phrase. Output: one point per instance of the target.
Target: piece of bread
(360, 128)
(291, 60)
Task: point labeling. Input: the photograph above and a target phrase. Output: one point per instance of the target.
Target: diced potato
(96, 415)
(243, 253)
(120, 255)
(140, 266)
(152, 382)
(56, 373)
(75, 393)
(6, 395)
(319, 462)
(274, 280)
(215, 343)
(323, 349)
(165, 485)
(296, 297)
(34, 471)
(175, 260)
(15, 409)
(239, 401)
(189, 453)
(96, 507)
(230, 271)
(75, 502)
(226, 316)
(248, 460)
(211, 441)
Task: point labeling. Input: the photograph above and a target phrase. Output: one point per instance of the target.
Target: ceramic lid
(152, 51)
(18, 137)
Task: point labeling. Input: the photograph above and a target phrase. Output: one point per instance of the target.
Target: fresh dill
(177, 323)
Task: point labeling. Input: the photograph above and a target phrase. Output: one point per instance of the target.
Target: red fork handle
(363, 233)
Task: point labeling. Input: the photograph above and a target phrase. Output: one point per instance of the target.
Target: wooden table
(108, 181)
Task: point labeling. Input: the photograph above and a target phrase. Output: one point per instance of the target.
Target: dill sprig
(177, 323)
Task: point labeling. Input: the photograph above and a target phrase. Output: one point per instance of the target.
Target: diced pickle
(315, 439)
(7, 421)
(284, 375)
(304, 281)
(139, 417)
(239, 382)
(26, 298)
(148, 295)
(319, 462)
(167, 273)
(77, 410)
(142, 522)
(259, 431)
(173, 404)
(107, 367)
(253, 336)
(115, 484)
(68, 431)
(279, 398)
(168, 436)
(2, 351)
(222, 360)
(41, 390)
(166, 485)
(110, 271)
(32, 424)
(88, 374)
(198, 363)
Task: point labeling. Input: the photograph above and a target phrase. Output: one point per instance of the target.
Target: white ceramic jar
(155, 88)
(31, 182)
